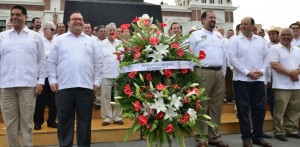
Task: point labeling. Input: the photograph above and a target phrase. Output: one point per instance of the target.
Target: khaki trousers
(106, 110)
(286, 102)
(214, 84)
(17, 110)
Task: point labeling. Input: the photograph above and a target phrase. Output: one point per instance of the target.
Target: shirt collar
(243, 36)
(69, 33)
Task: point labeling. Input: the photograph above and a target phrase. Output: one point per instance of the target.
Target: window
(220, 1)
(203, 1)
(2, 25)
(212, 1)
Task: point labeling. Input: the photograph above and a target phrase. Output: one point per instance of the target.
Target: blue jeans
(250, 95)
(69, 102)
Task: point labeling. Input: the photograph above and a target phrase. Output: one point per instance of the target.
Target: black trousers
(47, 97)
(250, 95)
(69, 102)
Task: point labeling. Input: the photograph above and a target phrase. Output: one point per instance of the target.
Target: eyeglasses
(52, 30)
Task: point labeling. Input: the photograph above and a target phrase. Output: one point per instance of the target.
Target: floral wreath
(157, 87)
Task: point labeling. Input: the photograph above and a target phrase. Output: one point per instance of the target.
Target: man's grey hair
(112, 24)
(49, 25)
(286, 29)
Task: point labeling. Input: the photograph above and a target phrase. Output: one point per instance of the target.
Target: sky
(269, 13)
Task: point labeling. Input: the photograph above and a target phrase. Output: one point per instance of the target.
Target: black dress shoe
(264, 135)
(52, 125)
(262, 143)
(119, 122)
(37, 127)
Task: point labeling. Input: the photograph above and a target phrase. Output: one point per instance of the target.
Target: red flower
(185, 100)
(127, 90)
(168, 73)
(175, 86)
(136, 19)
(149, 95)
(188, 91)
(136, 55)
(160, 115)
(132, 74)
(196, 90)
(198, 104)
(148, 77)
(116, 34)
(150, 111)
(143, 120)
(119, 55)
(149, 126)
(169, 128)
(180, 52)
(138, 48)
(154, 40)
(136, 106)
(175, 45)
(125, 26)
(157, 32)
(146, 22)
(184, 71)
(161, 87)
(185, 118)
(162, 24)
(202, 55)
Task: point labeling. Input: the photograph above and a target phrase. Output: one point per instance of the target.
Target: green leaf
(131, 130)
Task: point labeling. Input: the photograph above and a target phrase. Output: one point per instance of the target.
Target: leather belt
(216, 68)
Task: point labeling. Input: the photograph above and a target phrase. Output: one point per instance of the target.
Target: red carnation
(148, 77)
(161, 87)
(136, 19)
(136, 55)
(168, 73)
(180, 52)
(175, 45)
(154, 40)
(202, 55)
(132, 74)
(185, 118)
(175, 86)
(184, 71)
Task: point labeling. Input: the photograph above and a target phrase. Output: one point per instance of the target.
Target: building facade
(185, 12)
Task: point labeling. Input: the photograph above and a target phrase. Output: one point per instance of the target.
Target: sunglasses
(52, 30)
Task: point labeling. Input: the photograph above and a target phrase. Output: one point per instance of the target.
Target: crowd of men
(47, 65)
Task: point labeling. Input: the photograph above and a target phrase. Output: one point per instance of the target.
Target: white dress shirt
(288, 59)
(296, 42)
(248, 55)
(110, 66)
(74, 62)
(22, 59)
(47, 45)
(213, 46)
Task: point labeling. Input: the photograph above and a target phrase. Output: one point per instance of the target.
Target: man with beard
(109, 71)
(248, 57)
(74, 74)
(36, 24)
(23, 72)
(212, 70)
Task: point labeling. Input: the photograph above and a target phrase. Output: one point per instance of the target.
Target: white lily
(145, 108)
(170, 113)
(194, 84)
(191, 93)
(156, 56)
(159, 105)
(148, 48)
(192, 113)
(158, 94)
(162, 49)
(175, 101)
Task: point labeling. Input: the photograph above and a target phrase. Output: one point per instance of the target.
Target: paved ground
(233, 140)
